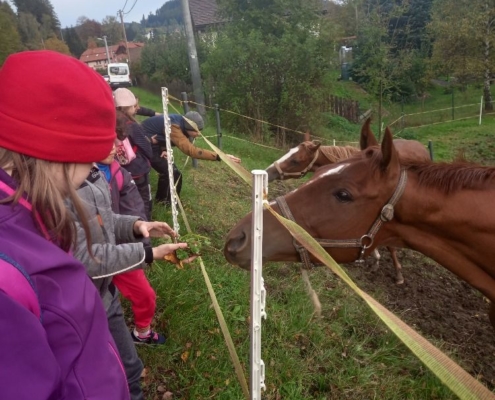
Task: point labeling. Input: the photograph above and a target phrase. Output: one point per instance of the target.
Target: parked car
(119, 75)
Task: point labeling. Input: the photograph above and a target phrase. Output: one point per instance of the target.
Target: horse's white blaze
(331, 171)
(334, 171)
(292, 151)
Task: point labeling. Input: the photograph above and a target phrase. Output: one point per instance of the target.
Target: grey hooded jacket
(106, 230)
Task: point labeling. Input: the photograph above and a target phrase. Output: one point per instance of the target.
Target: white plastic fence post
(334, 142)
(258, 294)
(481, 109)
(170, 160)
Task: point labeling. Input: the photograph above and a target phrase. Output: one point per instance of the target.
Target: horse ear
(316, 144)
(367, 138)
(307, 136)
(389, 152)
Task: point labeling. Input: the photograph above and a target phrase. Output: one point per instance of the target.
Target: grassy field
(347, 354)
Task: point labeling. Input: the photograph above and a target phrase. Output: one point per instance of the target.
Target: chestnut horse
(310, 155)
(443, 210)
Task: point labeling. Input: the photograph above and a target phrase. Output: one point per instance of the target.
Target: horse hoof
(399, 281)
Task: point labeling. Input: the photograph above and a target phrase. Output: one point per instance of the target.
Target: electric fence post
(258, 293)
(170, 161)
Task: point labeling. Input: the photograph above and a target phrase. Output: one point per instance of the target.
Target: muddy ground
(438, 305)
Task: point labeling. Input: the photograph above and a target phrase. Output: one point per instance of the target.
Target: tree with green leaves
(464, 33)
(112, 29)
(10, 39)
(88, 30)
(387, 62)
(165, 59)
(56, 44)
(270, 62)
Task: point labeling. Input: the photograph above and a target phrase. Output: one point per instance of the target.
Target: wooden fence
(349, 109)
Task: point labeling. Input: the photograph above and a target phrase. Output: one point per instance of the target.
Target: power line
(135, 1)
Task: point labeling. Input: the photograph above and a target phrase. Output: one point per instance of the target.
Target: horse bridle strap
(366, 241)
(303, 252)
(299, 174)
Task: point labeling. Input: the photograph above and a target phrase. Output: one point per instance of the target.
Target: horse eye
(294, 162)
(343, 196)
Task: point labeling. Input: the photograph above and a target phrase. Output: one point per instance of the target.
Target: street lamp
(106, 48)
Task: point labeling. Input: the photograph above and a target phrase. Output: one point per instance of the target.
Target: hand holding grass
(164, 251)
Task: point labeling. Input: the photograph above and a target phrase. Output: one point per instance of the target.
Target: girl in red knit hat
(55, 341)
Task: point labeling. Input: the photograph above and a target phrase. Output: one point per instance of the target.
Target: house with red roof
(96, 58)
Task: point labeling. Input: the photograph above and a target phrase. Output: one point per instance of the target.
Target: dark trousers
(144, 189)
(160, 165)
(127, 350)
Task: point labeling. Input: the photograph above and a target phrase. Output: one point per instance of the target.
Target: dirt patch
(438, 305)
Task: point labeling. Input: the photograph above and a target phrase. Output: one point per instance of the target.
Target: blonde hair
(35, 178)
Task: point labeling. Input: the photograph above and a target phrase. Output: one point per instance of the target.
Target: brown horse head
(341, 201)
(443, 210)
(295, 163)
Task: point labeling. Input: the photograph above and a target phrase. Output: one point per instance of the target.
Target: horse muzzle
(237, 249)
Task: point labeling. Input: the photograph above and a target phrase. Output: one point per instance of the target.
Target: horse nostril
(234, 245)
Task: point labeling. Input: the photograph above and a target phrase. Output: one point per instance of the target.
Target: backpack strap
(17, 284)
(116, 172)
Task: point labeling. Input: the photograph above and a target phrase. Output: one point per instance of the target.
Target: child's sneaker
(152, 338)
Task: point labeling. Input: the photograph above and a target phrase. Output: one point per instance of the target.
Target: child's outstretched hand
(234, 158)
(161, 252)
(153, 229)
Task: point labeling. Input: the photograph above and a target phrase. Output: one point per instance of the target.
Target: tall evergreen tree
(73, 41)
(29, 28)
(39, 8)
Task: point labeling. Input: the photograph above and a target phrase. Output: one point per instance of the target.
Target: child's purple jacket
(70, 353)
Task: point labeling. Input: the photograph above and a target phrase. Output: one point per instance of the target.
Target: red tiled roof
(204, 13)
(99, 53)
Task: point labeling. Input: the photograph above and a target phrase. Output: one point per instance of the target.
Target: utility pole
(106, 48)
(193, 59)
(125, 36)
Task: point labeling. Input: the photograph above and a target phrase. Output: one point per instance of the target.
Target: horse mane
(452, 177)
(445, 177)
(338, 153)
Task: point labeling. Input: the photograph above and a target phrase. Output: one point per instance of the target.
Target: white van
(119, 75)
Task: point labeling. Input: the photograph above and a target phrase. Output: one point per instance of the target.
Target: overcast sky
(68, 11)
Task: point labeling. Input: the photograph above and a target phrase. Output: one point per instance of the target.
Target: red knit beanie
(54, 107)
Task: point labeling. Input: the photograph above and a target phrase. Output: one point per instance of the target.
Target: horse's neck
(321, 160)
(430, 221)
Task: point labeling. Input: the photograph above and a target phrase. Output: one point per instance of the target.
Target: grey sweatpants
(127, 349)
